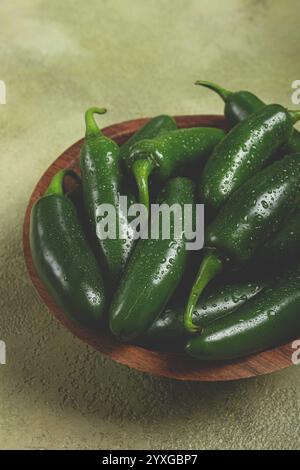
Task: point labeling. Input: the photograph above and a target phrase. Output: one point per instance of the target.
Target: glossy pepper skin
(103, 182)
(153, 273)
(283, 248)
(168, 332)
(150, 130)
(240, 104)
(269, 319)
(248, 219)
(244, 151)
(63, 258)
(170, 154)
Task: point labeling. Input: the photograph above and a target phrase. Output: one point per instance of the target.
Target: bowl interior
(168, 364)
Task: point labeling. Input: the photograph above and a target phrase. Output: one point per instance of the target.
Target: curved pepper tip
(141, 170)
(222, 92)
(209, 268)
(56, 184)
(90, 122)
(188, 319)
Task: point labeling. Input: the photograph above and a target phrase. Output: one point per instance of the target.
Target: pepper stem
(210, 267)
(141, 170)
(92, 127)
(56, 184)
(295, 115)
(222, 92)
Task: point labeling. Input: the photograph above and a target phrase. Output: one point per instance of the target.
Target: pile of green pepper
(240, 294)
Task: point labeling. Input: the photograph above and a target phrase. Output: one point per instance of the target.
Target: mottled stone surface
(138, 58)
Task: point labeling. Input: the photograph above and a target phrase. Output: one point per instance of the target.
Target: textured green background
(138, 58)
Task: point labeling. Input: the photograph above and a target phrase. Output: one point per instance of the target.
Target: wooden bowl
(167, 364)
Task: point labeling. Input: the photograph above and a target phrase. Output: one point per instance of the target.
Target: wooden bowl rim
(166, 364)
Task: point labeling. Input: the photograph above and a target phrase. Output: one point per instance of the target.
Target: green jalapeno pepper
(240, 104)
(283, 248)
(150, 130)
(170, 154)
(269, 319)
(63, 258)
(168, 331)
(154, 270)
(246, 222)
(244, 151)
(103, 183)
